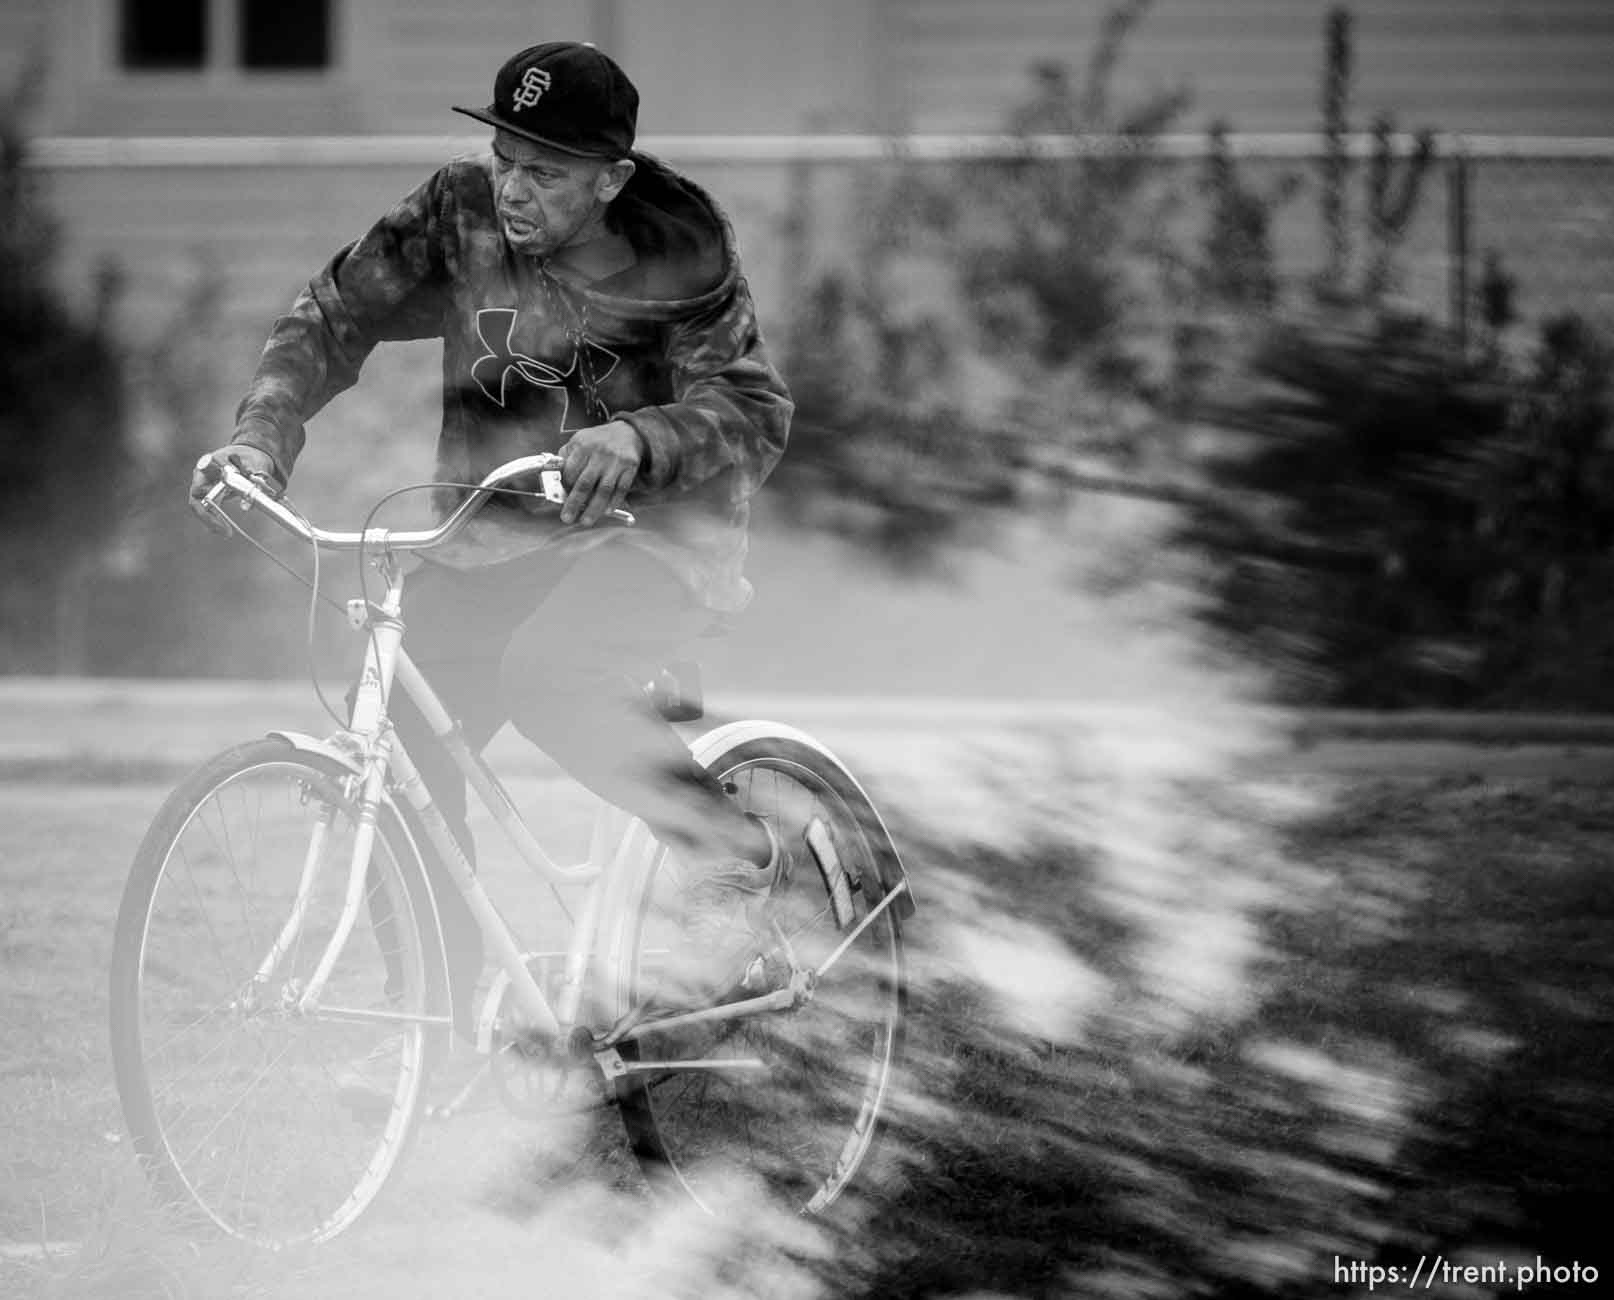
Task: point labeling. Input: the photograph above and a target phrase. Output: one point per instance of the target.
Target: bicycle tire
(199, 912)
(705, 1134)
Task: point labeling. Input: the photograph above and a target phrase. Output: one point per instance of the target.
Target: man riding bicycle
(590, 303)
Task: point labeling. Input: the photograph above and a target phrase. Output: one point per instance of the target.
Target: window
(285, 34)
(217, 35)
(169, 34)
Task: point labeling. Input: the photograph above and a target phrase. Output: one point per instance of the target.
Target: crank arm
(634, 1025)
(612, 1066)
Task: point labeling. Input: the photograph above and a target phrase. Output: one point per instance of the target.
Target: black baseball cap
(566, 95)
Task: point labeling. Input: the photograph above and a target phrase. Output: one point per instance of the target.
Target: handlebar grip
(244, 485)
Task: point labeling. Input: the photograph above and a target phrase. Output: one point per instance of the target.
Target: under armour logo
(502, 364)
(533, 84)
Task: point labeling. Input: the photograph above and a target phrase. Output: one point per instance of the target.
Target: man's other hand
(249, 460)
(598, 467)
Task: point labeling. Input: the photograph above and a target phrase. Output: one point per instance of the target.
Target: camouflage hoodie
(532, 352)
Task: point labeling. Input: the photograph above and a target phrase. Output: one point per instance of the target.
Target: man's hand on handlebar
(599, 466)
(251, 461)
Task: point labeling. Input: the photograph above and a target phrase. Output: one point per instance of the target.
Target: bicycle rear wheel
(802, 1118)
(231, 1095)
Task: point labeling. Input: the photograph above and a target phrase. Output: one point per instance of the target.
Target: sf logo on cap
(533, 84)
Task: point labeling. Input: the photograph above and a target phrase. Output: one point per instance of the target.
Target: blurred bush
(109, 574)
(1455, 513)
(1379, 516)
(183, 601)
(63, 451)
(1385, 518)
(997, 322)
(1215, 1038)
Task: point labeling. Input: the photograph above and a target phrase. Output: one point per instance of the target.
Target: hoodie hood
(685, 249)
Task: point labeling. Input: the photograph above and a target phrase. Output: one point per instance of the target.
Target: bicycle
(242, 978)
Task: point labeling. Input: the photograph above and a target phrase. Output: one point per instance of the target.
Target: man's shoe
(724, 935)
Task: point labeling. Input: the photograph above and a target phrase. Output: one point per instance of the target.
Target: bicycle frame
(372, 745)
(371, 736)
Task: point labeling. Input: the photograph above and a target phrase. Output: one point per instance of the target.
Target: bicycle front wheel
(277, 1126)
(788, 1099)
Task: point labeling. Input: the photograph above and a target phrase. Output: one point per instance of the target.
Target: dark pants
(561, 648)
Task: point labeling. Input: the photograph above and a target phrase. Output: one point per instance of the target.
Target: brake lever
(554, 491)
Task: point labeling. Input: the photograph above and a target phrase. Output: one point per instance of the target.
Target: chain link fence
(1542, 215)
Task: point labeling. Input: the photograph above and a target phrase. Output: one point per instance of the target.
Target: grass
(1173, 1038)
(1425, 1068)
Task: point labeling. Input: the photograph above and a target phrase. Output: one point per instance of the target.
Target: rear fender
(889, 865)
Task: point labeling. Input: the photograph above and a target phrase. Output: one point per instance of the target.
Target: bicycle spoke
(207, 919)
(805, 1125)
(236, 1105)
(183, 1030)
(231, 1093)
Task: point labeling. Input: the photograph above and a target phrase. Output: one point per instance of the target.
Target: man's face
(548, 199)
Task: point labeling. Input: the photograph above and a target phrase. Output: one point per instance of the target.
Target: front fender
(306, 744)
(421, 886)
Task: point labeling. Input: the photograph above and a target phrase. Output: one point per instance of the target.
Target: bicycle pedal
(764, 975)
(756, 976)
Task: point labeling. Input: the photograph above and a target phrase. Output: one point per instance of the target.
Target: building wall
(734, 67)
(415, 60)
(263, 231)
(1476, 66)
(703, 66)
(1495, 66)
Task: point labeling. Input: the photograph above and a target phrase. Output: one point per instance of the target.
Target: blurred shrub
(985, 329)
(1453, 513)
(109, 574)
(183, 601)
(1214, 1038)
(881, 448)
(62, 445)
(1236, 262)
(1393, 186)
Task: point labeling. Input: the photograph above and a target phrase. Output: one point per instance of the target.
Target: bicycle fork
(315, 861)
(358, 873)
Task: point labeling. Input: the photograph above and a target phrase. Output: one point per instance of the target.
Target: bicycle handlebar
(545, 464)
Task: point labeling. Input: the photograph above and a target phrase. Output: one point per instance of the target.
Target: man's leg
(572, 680)
(457, 627)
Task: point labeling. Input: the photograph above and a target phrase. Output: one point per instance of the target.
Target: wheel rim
(806, 1126)
(246, 1117)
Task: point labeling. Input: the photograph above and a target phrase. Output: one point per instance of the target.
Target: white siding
(734, 66)
(422, 58)
(1480, 66)
(266, 230)
(24, 35)
(1492, 66)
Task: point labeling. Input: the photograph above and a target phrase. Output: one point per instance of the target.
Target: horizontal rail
(74, 153)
